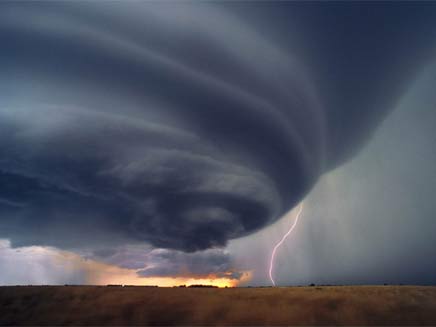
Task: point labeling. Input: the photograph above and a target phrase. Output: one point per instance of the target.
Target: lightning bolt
(271, 264)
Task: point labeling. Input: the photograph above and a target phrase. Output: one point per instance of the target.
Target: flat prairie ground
(317, 305)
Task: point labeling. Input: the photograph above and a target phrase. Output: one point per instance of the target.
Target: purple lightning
(281, 241)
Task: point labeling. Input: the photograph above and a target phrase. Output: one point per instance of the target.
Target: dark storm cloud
(149, 262)
(172, 124)
(198, 265)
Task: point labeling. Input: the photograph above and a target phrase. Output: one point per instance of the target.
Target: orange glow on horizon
(99, 273)
(120, 276)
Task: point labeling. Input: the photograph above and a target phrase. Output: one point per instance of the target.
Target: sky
(171, 143)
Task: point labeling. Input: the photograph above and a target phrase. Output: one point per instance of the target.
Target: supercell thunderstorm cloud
(155, 129)
(179, 125)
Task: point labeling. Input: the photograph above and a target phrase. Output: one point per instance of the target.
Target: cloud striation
(171, 124)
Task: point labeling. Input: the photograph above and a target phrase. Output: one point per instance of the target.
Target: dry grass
(342, 305)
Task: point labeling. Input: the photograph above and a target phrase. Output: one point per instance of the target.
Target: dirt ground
(317, 305)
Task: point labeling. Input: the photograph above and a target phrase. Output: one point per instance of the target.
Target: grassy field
(333, 305)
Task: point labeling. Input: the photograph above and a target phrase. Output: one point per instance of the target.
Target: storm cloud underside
(177, 125)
